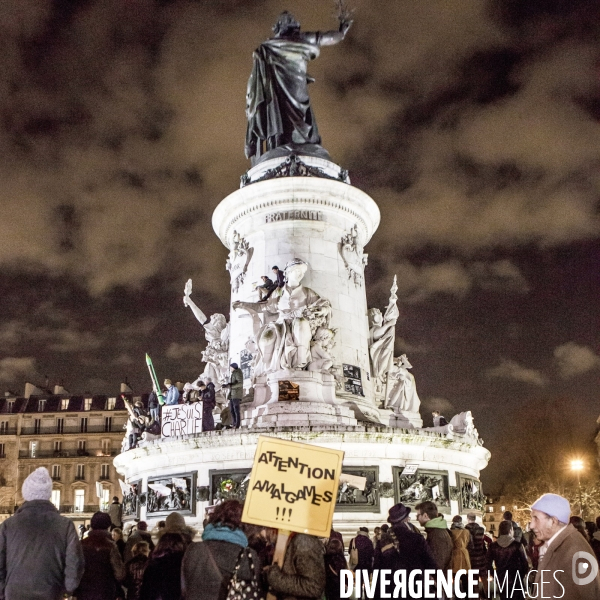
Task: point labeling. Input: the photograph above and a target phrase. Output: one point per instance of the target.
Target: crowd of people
(42, 557)
(202, 389)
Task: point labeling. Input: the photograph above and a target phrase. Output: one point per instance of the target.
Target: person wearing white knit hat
(560, 574)
(40, 554)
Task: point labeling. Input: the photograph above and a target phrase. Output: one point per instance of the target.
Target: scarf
(222, 533)
(457, 525)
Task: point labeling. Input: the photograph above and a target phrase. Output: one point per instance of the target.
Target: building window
(41, 405)
(60, 425)
(83, 425)
(87, 404)
(64, 404)
(104, 471)
(502, 508)
(10, 405)
(55, 499)
(79, 500)
(80, 472)
(490, 509)
(106, 447)
(105, 500)
(57, 445)
(111, 403)
(37, 425)
(55, 471)
(81, 448)
(3, 427)
(33, 448)
(2, 450)
(107, 424)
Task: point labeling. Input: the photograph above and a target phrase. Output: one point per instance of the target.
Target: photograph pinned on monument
(353, 381)
(409, 470)
(288, 390)
(293, 486)
(246, 363)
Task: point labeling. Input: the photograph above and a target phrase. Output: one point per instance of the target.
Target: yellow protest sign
(293, 486)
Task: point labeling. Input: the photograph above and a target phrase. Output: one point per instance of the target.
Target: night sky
(474, 125)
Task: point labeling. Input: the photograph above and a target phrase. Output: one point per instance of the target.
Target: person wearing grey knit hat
(40, 552)
(38, 486)
(565, 554)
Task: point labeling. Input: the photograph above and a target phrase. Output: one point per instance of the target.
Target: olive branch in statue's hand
(344, 15)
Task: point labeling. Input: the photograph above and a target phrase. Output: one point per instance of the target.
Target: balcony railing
(66, 454)
(7, 510)
(87, 508)
(9, 430)
(54, 430)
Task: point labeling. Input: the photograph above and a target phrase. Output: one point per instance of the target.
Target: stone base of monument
(296, 413)
(312, 386)
(406, 420)
(217, 464)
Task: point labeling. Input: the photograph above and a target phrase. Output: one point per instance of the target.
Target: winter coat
(334, 563)
(236, 384)
(364, 545)
(478, 549)
(134, 575)
(152, 400)
(201, 581)
(509, 559)
(595, 544)
(413, 553)
(209, 403)
(35, 536)
(302, 575)
(162, 578)
(440, 542)
(460, 554)
(172, 396)
(115, 512)
(559, 557)
(135, 537)
(103, 567)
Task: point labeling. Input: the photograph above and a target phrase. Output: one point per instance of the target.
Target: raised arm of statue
(187, 301)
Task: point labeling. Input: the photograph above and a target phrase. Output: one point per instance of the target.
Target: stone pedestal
(279, 216)
(406, 420)
(297, 414)
(312, 386)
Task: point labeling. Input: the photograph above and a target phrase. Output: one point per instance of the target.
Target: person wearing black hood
(508, 555)
(401, 548)
(207, 395)
(104, 567)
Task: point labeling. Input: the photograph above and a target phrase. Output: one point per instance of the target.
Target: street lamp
(577, 466)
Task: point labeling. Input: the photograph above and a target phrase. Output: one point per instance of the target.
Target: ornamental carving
(353, 256)
(238, 261)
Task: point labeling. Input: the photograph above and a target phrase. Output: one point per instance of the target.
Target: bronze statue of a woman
(277, 102)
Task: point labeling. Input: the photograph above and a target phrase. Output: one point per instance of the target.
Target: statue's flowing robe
(285, 343)
(277, 102)
(403, 395)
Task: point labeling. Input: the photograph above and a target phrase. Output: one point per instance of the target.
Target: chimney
(59, 390)
(32, 390)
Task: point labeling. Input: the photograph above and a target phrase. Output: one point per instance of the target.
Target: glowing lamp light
(577, 465)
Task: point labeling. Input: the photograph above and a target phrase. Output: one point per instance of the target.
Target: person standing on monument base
(207, 395)
(236, 391)
(549, 521)
(40, 553)
(172, 393)
(115, 510)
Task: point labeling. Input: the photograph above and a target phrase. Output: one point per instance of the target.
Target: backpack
(353, 559)
(237, 588)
